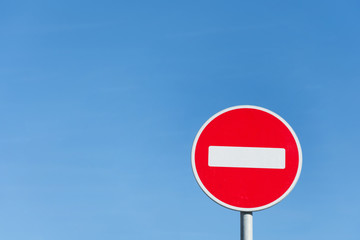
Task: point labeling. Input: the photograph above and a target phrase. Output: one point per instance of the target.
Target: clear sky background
(100, 102)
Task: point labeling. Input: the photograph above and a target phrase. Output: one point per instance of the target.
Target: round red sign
(246, 158)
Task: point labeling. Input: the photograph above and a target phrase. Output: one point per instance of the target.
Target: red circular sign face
(246, 158)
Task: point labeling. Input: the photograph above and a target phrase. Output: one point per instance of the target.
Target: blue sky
(100, 103)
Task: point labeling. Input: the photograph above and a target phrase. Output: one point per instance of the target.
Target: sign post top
(246, 158)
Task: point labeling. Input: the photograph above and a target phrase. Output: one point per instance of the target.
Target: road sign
(246, 158)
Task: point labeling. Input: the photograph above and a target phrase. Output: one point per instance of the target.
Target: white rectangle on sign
(247, 157)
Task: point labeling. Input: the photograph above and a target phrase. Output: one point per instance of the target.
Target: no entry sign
(246, 158)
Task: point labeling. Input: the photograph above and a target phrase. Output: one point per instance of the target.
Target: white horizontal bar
(246, 157)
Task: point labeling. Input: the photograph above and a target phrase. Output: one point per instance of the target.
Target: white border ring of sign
(225, 204)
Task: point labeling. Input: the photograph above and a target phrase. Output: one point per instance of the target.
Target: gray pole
(246, 225)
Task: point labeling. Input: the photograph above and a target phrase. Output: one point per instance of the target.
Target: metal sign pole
(246, 225)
